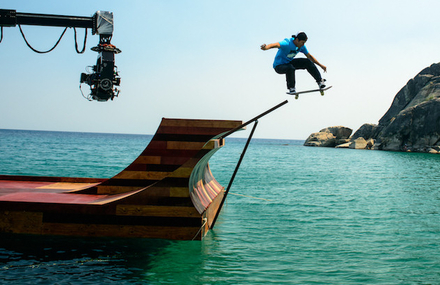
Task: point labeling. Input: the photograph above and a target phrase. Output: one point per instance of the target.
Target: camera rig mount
(104, 76)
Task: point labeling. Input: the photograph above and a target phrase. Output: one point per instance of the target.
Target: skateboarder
(286, 63)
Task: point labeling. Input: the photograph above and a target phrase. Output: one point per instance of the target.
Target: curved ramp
(175, 143)
(167, 192)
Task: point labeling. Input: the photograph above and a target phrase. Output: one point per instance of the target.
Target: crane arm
(10, 18)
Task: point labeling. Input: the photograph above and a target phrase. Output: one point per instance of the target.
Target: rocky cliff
(412, 123)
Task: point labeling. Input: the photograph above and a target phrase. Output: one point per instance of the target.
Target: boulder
(344, 145)
(329, 137)
(366, 131)
(339, 132)
(342, 141)
(321, 139)
(433, 150)
(359, 143)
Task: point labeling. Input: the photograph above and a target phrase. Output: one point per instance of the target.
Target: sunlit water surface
(294, 215)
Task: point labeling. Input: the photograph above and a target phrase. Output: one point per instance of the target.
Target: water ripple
(327, 216)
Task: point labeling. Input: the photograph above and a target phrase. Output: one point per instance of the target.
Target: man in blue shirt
(286, 63)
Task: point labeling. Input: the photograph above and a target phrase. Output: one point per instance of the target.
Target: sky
(202, 60)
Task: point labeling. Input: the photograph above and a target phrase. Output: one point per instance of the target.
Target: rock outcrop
(361, 143)
(329, 137)
(412, 123)
(366, 131)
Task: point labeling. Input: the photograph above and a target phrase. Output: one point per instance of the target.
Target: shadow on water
(70, 260)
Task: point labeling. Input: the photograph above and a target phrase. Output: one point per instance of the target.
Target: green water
(309, 216)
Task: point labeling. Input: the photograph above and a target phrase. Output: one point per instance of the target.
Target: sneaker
(321, 83)
(291, 91)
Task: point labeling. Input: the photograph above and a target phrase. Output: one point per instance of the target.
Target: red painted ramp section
(39, 197)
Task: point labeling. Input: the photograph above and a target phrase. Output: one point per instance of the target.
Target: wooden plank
(142, 175)
(184, 137)
(112, 219)
(179, 192)
(114, 190)
(200, 123)
(51, 179)
(182, 172)
(148, 159)
(162, 152)
(185, 145)
(157, 191)
(21, 222)
(174, 233)
(67, 186)
(155, 144)
(213, 144)
(190, 130)
(174, 160)
(156, 211)
(50, 198)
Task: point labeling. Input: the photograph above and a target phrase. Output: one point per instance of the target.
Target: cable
(56, 44)
(76, 42)
(88, 96)
(37, 51)
(1, 31)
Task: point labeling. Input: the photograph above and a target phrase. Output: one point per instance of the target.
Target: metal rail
(254, 119)
(243, 153)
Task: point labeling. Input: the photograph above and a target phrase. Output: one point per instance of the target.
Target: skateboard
(296, 94)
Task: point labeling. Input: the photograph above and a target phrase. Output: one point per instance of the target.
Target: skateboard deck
(296, 94)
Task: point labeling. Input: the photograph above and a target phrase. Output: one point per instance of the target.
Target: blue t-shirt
(287, 51)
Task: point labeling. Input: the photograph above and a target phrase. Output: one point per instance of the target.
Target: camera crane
(104, 78)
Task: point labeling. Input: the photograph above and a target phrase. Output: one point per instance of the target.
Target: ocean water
(295, 215)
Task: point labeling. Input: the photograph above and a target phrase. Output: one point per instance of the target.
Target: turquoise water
(309, 216)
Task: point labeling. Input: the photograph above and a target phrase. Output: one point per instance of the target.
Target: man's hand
(269, 46)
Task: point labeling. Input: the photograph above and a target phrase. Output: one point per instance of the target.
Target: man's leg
(289, 71)
(305, 63)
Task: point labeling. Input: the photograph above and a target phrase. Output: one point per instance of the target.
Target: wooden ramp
(167, 192)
